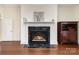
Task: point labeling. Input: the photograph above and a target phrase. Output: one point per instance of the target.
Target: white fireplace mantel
(38, 22)
(53, 31)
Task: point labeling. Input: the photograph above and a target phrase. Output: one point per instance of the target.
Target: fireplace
(39, 36)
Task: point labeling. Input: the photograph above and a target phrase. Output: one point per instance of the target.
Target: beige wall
(11, 12)
(50, 11)
(1, 14)
(69, 13)
(17, 12)
(76, 8)
(65, 12)
(76, 12)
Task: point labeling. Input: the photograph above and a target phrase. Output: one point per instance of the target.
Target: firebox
(39, 37)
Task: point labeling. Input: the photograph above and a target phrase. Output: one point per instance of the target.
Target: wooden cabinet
(67, 32)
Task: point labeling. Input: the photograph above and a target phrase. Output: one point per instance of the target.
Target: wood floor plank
(14, 48)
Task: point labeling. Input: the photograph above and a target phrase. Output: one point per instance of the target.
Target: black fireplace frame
(42, 44)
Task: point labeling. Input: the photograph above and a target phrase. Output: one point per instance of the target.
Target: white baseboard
(9, 40)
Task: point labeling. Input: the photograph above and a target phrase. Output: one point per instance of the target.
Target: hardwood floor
(14, 48)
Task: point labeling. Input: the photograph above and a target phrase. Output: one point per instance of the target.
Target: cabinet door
(72, 35)
(68, 33)
(64, 36)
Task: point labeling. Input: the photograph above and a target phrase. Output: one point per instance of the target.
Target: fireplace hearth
(39, 37)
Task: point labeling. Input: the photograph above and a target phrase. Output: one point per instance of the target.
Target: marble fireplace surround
(53, 31)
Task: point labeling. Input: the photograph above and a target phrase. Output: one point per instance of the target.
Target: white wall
(50, 12)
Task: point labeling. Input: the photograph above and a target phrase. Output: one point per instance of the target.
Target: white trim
(9, 40)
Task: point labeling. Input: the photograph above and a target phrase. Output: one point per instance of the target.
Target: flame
(39, 37)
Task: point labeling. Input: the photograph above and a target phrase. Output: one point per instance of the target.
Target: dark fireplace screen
(39, 36)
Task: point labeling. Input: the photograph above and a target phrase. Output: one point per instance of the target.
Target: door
(8, 28)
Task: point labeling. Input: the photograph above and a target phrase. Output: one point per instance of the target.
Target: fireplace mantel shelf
(38, 22)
